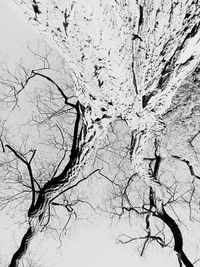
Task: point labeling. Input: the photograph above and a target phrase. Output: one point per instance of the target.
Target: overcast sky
(88, 246)
(14, 33)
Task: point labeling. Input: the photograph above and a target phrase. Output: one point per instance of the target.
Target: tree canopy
(127, 60)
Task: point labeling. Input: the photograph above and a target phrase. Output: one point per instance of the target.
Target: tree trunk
(178, 239)
(23, 247)
(127, 57)
(87, 142)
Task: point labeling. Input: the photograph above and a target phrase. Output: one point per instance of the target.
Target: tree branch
(189, 166)
(178, 239)
(28, 165)
(74, 185)
(57, 86)
(23, 247)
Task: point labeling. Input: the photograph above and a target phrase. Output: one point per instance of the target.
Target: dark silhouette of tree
(173, 162)
(51, 188)
(128, 58)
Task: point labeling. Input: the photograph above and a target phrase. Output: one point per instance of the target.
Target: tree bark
(89, 141)
(84, 144)
(23, 247)
(127, 57)
(178, 239)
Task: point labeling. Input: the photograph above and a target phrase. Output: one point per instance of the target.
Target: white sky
(88, 246)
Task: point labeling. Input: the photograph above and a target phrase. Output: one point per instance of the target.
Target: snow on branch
(135, 53)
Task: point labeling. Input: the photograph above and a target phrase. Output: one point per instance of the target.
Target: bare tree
(173, 161)
(45, 182)
(126, 61)
(128, 58)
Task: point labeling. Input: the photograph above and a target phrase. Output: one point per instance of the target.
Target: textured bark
(178, 239)
(23, 247)
(84, 143)
(89, 141)
(128, 59)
